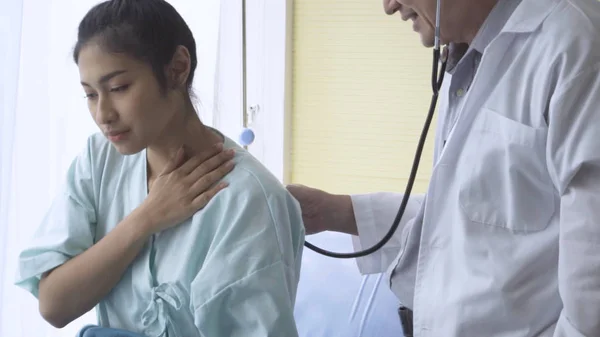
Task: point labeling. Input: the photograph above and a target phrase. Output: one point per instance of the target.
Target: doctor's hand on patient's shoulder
(322, 211)
(185, 186)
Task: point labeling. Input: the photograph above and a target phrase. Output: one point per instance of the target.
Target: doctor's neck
(184, 129)
(466, 19)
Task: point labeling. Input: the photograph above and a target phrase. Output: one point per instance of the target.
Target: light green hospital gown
(230, 270)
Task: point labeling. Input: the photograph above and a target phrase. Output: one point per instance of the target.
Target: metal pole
(244, 67)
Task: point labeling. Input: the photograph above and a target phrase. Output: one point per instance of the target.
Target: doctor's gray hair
(148, 30)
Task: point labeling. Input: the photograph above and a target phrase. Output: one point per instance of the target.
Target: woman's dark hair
(149, 30)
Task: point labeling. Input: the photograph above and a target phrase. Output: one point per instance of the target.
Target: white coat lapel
(492, 66)
(527, 17)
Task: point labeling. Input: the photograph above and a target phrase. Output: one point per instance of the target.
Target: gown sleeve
(248, 282)
(66, 230)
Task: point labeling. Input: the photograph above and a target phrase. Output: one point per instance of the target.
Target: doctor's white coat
(507, 241)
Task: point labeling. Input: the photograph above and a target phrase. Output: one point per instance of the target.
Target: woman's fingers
(220, 163)
(207, 180)
(204, 198)
(192, 163)
(174, 162)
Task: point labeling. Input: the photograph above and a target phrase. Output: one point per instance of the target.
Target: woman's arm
(248, 281)
(77, 286)
(76, 272)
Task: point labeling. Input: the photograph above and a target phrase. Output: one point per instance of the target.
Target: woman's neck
(187, 131)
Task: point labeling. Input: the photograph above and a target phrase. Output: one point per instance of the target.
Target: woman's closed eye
(91, 95)
(119, 88)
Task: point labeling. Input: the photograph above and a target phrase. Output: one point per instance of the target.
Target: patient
(160, 239)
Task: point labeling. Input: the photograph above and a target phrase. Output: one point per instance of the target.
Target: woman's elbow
(51, 313)
(50, 307)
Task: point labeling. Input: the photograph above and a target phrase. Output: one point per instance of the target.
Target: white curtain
(45, 122)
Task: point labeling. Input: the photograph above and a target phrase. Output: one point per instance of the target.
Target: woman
(139, 230)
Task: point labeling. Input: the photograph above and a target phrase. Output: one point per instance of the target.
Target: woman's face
(124, 98)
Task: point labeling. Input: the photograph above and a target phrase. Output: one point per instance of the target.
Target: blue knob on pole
(247, 137)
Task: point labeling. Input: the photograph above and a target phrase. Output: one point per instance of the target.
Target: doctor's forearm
(77, 286)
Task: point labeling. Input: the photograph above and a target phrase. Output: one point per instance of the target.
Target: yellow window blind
(361, 90)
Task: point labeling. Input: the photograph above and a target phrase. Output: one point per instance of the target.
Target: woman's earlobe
(177, 78)
(174, 81)
(173, 78)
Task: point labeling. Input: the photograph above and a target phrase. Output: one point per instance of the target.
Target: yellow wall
(361, 90)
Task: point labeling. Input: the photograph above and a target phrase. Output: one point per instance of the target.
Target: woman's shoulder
(252, 187)
(251, 178)
(255, 210)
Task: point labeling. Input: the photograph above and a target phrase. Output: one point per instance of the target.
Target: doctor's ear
(179, 69)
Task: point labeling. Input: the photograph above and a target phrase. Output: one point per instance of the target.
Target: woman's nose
(105, 112)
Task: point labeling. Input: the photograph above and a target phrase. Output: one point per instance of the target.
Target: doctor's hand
(185, 186)
(322, 211)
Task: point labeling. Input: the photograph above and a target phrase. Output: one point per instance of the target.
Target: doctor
(507, 240)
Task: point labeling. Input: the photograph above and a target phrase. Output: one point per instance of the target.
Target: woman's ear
(179, 68)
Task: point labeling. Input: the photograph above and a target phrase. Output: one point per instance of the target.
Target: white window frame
(269, 80)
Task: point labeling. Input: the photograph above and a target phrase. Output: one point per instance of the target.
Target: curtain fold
(10, 32)
(227, 81)
(45, 123)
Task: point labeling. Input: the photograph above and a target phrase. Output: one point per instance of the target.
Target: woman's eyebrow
(107, 77)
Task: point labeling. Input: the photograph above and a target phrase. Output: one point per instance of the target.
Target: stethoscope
(437, 78)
